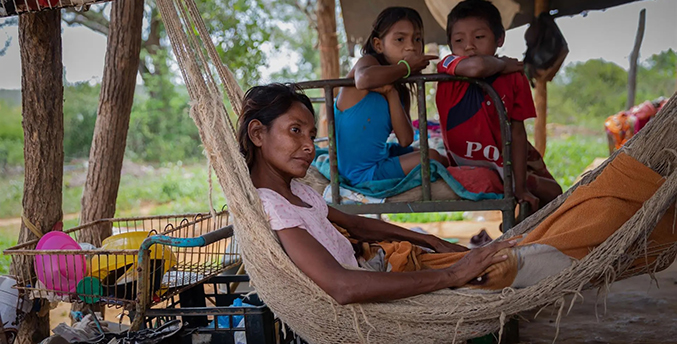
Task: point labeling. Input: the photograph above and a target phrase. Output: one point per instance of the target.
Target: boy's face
(472, 36)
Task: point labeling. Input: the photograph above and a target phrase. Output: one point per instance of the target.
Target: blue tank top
(361, 134)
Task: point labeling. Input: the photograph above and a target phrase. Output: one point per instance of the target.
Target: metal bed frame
(506, 205)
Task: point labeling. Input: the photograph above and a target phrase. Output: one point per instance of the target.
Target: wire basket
(16, 7)
(145, 261)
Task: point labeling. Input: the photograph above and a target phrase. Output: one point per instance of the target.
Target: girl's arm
(398, 117)
(369, 73)
(482, 66)
(519, 157)
(355, 286)
(371, 230)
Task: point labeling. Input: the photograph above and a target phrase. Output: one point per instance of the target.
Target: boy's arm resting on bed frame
(371, 230)
(482, 66)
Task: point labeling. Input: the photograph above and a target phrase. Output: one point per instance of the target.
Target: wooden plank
(9, 8)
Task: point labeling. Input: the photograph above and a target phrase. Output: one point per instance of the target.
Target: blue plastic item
(224, 320)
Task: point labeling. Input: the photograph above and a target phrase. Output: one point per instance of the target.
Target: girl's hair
(385, 20)
(265, 104)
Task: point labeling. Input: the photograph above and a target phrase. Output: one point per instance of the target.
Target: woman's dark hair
(478, 9)
(265, 104)
(385, 20)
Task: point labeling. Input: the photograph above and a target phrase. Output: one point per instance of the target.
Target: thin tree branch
(90, 19)
(308, 10)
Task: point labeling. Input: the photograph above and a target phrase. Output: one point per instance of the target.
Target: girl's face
(287, 147)
(402, 40)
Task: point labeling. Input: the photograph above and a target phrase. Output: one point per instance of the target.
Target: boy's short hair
(479, 9)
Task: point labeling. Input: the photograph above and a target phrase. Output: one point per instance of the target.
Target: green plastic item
(89, 286)
(451, 240)
(487, 339)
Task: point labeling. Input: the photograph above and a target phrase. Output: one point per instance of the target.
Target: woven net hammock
(440, 317)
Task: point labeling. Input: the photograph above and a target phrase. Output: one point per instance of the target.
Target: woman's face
(287, 146)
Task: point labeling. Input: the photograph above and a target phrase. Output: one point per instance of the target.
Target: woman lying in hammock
(276, 136)
(276, 133)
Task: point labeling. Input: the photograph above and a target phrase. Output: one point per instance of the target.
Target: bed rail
(426, 204)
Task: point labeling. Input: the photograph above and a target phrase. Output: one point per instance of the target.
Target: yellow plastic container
(103, 264)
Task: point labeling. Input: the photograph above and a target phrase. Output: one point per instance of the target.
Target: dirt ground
(636, 312)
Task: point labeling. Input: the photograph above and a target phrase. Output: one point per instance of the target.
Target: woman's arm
(482, 66)
(355, 286)
(519, 157)
(371, 230)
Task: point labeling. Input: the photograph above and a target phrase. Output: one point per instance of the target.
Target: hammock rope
(430, 318)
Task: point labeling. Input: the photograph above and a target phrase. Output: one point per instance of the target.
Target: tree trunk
(112, 121)
(329, 50)
(42, 110)
(634, 56)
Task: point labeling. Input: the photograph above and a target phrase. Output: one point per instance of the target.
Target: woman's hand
(477, 261)
(418, 62)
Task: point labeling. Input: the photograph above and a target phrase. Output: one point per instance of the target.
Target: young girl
(276, 133)
(367, 113)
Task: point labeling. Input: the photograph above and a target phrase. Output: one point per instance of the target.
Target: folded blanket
(350, 196)
(391, 187)
(586, 219)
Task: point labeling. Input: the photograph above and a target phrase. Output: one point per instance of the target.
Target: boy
(472, 134)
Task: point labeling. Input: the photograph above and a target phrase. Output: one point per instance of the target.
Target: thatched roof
(358, 15)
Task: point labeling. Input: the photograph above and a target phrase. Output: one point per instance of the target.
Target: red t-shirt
(468, 117)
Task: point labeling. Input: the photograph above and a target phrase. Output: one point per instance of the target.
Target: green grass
(566, 158)
(7, 239)
(172, 188)
(167, 189)
(177, 188)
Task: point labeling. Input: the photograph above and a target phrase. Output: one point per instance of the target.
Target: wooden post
(541, 95)
(634, 56)
(329, 50)
(541, 103)
(42, 110)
